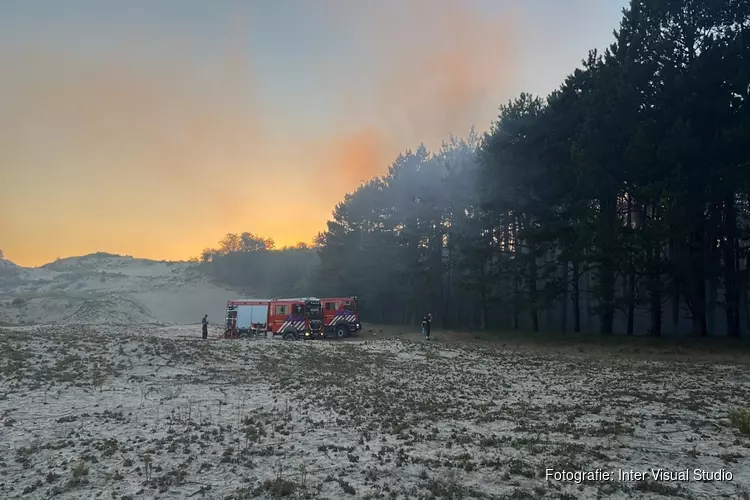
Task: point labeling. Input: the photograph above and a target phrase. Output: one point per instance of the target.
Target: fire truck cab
(291, 319)
(340, 316)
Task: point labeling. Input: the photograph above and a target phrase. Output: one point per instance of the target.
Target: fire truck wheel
(342, 332)
(289, 336)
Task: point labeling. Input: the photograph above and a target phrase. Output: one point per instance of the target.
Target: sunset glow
(152, 129)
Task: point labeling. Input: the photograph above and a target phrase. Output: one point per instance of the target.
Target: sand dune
(105, 288)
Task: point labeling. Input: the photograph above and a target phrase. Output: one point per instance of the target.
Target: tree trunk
(606, 248)
(674, 284)
(483, 325)
(534, 313)
(712, 299)
(631, 274)
(448, 289)
(655, 288)
(731, 290)
(437, 274)
(698, 278)
(631, 303)
(713, 260)
(744, 302)
(516, 300)
(576, 297)
(564, 298)
(458, 309)
(516, 271)
(738, 290)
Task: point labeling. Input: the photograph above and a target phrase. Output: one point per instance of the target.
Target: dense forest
(620, 203)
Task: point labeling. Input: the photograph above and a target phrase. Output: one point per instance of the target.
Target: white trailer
(252, 317)
(248, 317)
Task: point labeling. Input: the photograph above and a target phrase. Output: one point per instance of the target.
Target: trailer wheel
(342, 332)
(289, 336)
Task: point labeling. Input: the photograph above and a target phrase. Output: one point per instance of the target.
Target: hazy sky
(154, 128)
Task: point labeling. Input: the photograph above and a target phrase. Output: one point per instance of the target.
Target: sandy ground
(102, 288)
(97, 411)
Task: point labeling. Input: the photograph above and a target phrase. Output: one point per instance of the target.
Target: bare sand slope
(104, 288)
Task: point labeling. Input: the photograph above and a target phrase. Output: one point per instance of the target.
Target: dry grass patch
(132, 412)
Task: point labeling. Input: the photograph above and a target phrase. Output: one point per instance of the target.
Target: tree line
(618, 203)
(254, 264)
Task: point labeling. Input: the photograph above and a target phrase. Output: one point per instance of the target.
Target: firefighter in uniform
(204, 324)
(427, 325)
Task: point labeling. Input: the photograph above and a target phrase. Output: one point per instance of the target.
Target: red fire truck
(340, 316)
(292, 319)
